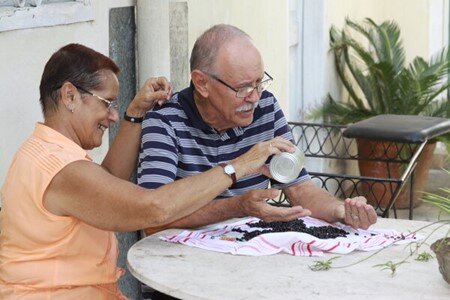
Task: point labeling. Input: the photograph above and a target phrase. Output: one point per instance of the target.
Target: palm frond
(339, 49)
(442, 202)
(389, 46)
(360, 79)
(376, 78)
(338, 112)
(385, 77)
(439, 108)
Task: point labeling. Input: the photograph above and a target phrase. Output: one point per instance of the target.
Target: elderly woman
(60, 209)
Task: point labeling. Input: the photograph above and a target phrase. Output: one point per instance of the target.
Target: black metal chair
(395, 141)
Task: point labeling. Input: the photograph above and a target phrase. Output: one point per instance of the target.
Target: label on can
(285, 167)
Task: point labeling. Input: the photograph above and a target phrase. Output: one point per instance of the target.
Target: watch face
(229, 169)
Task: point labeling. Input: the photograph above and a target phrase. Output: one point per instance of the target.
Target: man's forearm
(216, 211)
(321, 203)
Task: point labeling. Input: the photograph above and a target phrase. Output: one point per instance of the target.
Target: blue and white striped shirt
(177, 143)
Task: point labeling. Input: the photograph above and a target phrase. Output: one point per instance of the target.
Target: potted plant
(377, 80)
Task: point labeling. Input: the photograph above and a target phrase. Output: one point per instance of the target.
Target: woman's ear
(68, 91)
(201, 82)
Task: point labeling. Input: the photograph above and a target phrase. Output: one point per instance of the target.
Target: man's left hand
(358, 213)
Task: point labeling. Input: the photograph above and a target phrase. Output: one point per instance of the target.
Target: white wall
(23, 54)
(413, 18)
(266, 21)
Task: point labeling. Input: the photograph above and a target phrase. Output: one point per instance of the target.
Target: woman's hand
(253, 161)
(156, 90)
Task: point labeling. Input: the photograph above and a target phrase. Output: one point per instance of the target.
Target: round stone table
(192, 273)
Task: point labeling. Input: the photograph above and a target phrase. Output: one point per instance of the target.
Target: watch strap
(232, 175)
(132, 119)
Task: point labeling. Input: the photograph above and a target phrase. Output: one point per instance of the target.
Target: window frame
(47, 14)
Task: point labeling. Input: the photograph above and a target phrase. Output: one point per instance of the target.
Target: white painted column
(308, 57)
(295, 82)
(438, 25)
(153, 39)
(308, 49)
(315, 49)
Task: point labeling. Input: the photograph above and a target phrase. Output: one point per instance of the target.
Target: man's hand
(253, 161)
(253, 203)
(357, 213)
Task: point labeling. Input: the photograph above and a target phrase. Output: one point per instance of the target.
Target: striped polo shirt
(177, 143)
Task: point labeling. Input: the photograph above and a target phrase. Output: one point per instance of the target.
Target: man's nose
(254, 96)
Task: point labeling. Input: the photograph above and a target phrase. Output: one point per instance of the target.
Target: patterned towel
(223, 239)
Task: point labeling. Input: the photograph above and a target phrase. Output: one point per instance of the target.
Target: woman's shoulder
(48, 155)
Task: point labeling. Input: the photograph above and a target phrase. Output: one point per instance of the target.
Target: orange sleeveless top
(43, 255)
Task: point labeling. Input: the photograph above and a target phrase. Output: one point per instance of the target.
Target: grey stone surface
(122, 31)
(179, 52)
(193, 273)
(122, 50)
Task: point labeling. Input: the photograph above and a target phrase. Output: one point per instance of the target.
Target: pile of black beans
(321, 232)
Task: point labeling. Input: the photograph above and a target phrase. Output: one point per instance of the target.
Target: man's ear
(201, 82)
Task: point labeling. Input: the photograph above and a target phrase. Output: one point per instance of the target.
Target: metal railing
(327, 143)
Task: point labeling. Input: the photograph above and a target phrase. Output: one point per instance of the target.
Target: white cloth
(223, 239)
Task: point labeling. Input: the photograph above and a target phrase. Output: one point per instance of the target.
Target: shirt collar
(186, 100)
(50, 135)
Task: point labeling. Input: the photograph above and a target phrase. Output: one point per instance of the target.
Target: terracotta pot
(420, 178)
(442, 250)
(380, 193)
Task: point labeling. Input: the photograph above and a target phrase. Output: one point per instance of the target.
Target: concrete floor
(423, 212)
(437, 179)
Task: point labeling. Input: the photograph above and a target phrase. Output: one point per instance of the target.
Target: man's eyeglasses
(109, 104)
(246, 91)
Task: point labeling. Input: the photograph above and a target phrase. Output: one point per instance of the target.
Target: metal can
(285, 167)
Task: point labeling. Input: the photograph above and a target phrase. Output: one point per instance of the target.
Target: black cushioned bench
(402, 139)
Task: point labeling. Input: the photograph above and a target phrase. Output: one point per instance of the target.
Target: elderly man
(225, 111)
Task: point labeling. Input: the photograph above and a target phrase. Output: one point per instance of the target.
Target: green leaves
(442, 202)
(370, 62)
(322, 265)
(390, 265)
(424, 256)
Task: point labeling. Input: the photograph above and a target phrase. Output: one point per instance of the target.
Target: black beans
(321, 232)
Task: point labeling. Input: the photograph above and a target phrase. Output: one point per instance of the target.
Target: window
(21, 14)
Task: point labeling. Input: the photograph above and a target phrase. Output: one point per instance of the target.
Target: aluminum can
(285, 167)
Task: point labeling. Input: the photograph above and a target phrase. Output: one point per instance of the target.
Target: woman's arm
(121, 158)
(86, 191)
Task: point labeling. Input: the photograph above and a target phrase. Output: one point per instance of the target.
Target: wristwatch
(229, 170)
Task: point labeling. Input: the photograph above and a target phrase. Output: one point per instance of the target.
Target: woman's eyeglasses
(109, 104)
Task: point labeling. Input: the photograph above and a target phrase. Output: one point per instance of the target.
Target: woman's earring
(71, 107)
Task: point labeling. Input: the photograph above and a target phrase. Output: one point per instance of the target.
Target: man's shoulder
(172, 106)
(171, 111)
(267, 105)
(267, 100)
